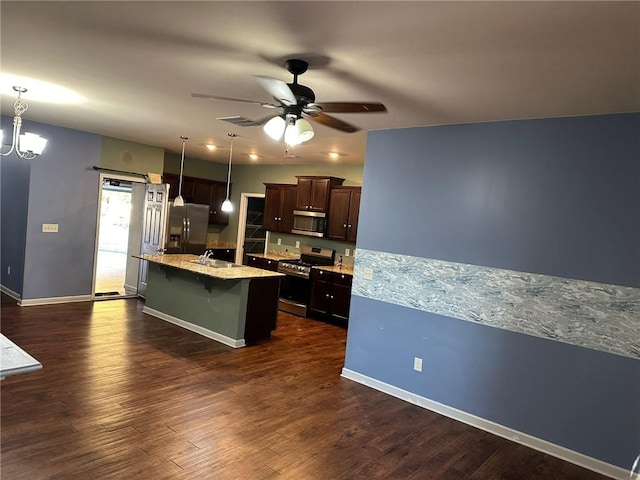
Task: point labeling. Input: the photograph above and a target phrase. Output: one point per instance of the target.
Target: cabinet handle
(345, 225)
(349, 225)
(331, 296)
(327, 295)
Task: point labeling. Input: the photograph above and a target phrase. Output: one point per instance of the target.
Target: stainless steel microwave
(309, 223)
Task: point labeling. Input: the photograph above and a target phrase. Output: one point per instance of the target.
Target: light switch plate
(50, 227)
(367, 273)
(347, 252)
(297, 243)
(279, 241)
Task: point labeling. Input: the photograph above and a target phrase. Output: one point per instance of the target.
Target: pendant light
(227, 206)
(179, 201)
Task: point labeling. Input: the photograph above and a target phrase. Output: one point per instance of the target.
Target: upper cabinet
(202, 191)
(313, 192)
(279, 203)
(342, 218)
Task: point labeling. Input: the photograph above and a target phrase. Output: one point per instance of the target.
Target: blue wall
(14, 199)
(62, 189)
(556, 197)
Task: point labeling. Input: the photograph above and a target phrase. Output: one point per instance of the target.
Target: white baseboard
(232, 342)
(10, 292)
(563, 453)
(29, 302)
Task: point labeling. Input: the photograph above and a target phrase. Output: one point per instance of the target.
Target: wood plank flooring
(124, 395)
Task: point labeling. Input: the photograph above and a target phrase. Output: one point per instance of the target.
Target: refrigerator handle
(184, 232)
(188, 229)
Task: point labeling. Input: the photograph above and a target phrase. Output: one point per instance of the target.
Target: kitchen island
(233, 304)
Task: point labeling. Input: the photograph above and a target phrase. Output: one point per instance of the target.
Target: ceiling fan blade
(216, 97)
(332, 122)
(279, 89)
(352, 107)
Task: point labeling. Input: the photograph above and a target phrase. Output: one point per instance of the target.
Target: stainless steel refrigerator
(187, 228)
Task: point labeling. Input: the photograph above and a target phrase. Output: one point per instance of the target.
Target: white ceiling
(430, 63)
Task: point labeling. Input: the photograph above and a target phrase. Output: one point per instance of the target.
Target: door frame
(114, 176)
(242, 224)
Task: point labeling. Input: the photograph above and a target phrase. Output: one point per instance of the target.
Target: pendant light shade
(275, 127)
(227, 206)
(179, 201)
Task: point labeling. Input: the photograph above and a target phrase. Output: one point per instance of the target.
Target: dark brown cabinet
(342, 218)
(218, 195)
(202, 191)
(313, 192)
(279, 203)
(226, 254)
(330, 295)
(261, 262)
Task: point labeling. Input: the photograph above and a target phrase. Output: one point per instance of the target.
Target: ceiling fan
(297, 102)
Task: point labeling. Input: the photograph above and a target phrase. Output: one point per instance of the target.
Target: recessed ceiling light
(254, 156)
(38, 90)
(335, 155)
(210, 146)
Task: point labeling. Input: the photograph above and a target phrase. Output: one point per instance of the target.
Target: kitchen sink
(213, 263)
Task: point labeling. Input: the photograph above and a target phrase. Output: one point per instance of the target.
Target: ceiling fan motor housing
(302, 93)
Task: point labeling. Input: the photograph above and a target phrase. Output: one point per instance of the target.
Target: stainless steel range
(295, 288)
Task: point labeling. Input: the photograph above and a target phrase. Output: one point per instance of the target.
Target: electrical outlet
(417, 364)
(297, 243)
(367, 273)
(347, 251)
(279, 241)
(50, 227)
(9, 270)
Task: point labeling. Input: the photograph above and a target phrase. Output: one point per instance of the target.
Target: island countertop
(188, 262)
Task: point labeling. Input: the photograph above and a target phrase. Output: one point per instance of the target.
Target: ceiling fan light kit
(297, 100)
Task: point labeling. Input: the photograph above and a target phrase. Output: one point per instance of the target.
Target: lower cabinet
(330, 295)
(261, 262)
(226, 254)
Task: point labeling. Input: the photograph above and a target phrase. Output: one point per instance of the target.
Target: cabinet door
(172, 179)
(218, 195)
(354, 212)
(303, 194)
(202, 192)
(271, 220)
(188, 189)
(287, 204)
(319, 194)
(340, 296)
(338, 214)
(320, 294)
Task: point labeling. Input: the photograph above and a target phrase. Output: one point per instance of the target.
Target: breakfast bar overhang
(232, 304)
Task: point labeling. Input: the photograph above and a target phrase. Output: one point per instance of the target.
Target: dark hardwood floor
(125, 395)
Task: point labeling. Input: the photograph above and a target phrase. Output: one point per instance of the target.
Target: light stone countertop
(276, 256)
(187, 262)
(14, 360)
(345, 269)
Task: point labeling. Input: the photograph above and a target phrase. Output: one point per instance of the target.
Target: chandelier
(27, 145)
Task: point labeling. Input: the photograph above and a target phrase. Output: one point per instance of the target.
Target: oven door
(294, 295)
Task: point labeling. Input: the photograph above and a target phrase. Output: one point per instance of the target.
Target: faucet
(202, 259)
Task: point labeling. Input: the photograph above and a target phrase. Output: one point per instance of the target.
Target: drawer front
(342, 279)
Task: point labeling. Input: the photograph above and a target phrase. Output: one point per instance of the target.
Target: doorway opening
(118, 237)
(251, 235)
